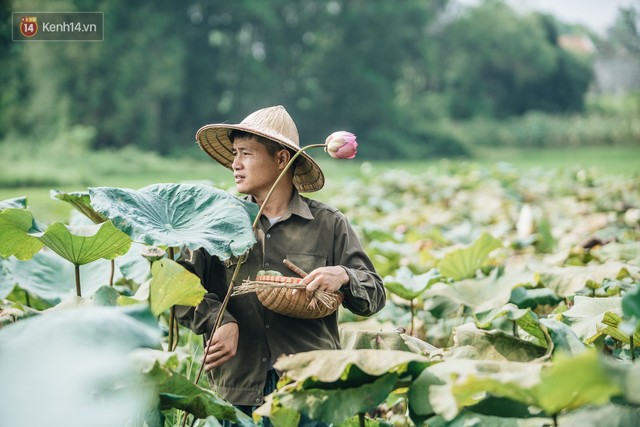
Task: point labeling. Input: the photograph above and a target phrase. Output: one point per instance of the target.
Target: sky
(598, 15)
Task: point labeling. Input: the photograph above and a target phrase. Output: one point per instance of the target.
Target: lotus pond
(513, 300)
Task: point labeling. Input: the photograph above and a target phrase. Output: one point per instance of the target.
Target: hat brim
(214, 140)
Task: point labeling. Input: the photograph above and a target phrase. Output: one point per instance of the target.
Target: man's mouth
(238, 178)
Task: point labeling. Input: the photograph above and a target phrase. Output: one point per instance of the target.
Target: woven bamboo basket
(276, 293)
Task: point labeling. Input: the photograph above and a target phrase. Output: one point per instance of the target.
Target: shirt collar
(297, 206)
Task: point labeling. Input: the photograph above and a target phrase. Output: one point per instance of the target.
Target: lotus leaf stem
(78, 288)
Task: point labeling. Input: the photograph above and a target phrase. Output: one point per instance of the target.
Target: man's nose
(235, 165)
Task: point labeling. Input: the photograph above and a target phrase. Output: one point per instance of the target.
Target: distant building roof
(579, 44)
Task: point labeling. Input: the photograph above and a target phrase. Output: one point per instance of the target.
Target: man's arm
(353, 273)
(201, 319)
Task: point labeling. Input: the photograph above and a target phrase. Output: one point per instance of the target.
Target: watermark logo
(28, 26)
(57, 26)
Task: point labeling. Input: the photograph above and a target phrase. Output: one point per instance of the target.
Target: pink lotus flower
(341, 145)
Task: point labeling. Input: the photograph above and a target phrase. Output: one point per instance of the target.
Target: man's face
(254, 169)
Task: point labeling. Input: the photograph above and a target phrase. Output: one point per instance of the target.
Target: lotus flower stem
(361, 419)
(412, 308)
(113, 272)
(78, 289)
(633, 349)
(173, 325)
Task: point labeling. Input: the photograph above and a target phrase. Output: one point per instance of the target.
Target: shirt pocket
(307, 261)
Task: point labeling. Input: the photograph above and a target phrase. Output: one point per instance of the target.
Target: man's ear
(283, 157)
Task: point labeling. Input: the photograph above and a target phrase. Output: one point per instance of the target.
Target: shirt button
(257, 400)
(267, 326)
(266, 264)
(268, 236)
(264, 360)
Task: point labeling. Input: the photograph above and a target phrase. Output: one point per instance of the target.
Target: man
(314, 236)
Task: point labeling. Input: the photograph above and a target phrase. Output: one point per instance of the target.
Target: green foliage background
(414, 79)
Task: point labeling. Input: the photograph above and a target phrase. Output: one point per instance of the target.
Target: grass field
(35, 176)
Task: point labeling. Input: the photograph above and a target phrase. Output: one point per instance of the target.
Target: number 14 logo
(28, 26)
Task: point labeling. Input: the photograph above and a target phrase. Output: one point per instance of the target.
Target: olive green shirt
(310, 234)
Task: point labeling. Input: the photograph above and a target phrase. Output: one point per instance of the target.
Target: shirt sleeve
(210, 270)
(365, 294)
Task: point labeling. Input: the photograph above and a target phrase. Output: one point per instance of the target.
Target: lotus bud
(341, 145)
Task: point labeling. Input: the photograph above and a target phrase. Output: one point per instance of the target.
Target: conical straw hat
(273, 123)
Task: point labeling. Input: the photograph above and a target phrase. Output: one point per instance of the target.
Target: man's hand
(224, 345)
(328, 279)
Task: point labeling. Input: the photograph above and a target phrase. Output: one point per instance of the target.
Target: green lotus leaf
(446, 388)
(52, 279)
(463, 263)
(566, 281)
(177, 391)
(88, 371)
(631, 304)
(408, 286)
(17, 202)
(180, 214)
(173, 284)
(563, 338)
(531, 298)
(525, 319)
(337, 405)
(587, 313)
(569, 383)
(612, 326)
(494, 345)
(483, 294)
(81, 201)
(84, 244)
(15, 226)
(572, 382)
(347, 368)
(6, 283)
(385, 340)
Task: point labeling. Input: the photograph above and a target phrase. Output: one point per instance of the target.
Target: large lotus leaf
(17, 202)
(408, 286)
(563, 338)
(385, 340)
(84, 244)
(587, 313)
(525, 319)
(6, 283)
(133, 265)
(612, 323)
(569, 383)
(565, 281)
(440, 387)
(531, 298)
(572, 382)
(494, 345)
(340, 404)
(173, 284)
(463, 263)
(79, 361)
(482, 294)
(188, 215)
(609, 415)
(15, 224)
(469, 418)
(81, 201)
(631, 304)
(628, 252)
(177, 391)
(51, 278)
(347, 368)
